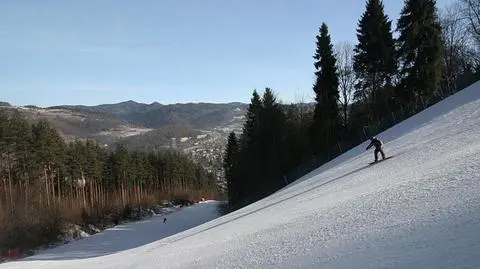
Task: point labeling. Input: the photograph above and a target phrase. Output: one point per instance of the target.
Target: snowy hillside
(420, 209)
(131, 235)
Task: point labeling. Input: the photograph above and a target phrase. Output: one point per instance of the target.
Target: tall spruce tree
(230, 165)
(272, 125)
(251, 122)
(249, 153)
(375, 59)
(420, 45)
(326, 119)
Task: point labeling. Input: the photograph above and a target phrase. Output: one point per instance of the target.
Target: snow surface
(420, 209)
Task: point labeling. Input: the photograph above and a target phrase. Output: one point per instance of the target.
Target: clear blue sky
(104, 51)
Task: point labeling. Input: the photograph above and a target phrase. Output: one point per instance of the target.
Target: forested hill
(48, 183)
(155, 115)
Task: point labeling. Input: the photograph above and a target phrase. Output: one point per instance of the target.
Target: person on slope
(378, 147)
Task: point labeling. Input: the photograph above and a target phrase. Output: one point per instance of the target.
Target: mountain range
(155, 115)
(119, 122)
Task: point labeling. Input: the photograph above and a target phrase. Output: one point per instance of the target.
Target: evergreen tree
(258, 166)
(249, 154)
(19, 141)
(420, 48)
(271, 134)
(326, 119)
(375, 59)
(49, 155)
(230, 164)
(75, 162)
(248, 131)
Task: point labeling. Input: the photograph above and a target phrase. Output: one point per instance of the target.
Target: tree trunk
(59, 193)
(134, 190)
(46, 185)
(71, 189)
(123, 189)
(5, 191)
(10, 184)
(91, 192)
(84, 198)
(95, 193)
(26, 197)
(101, 195)
(122, 194)
(52, 187)
(77, 196)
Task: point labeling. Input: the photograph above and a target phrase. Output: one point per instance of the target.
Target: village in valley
(208, 148)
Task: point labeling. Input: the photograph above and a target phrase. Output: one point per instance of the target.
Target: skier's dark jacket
(375, 142)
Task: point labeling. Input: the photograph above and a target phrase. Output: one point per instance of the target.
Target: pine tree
(326, 121)
(230, 164)
(20, 137)
(272, 125)
(249, 154)
(374, 59)
(251, 122)
(49, 154)
(420, 45)
(261, 146)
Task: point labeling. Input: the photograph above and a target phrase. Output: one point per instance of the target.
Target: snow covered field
(420, 209)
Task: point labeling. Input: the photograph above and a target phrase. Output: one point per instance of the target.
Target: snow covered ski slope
(420, 209)
(131, 235)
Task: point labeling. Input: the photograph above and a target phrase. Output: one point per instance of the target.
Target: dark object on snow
(164, 220)
(372, 163)
(374, 142)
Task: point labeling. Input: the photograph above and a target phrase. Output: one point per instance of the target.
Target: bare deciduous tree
(459, 48)
(455, 42)
(344, 54)
(471, 11)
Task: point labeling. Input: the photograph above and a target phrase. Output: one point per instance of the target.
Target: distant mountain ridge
(140, 126)
(156, 115)
(122, 108)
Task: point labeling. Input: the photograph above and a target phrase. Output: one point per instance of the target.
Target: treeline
(47, 183)
(360, 90)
